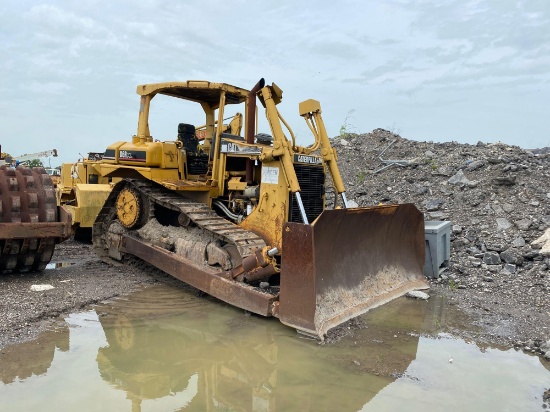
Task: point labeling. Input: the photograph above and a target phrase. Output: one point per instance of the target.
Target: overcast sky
(462, 70)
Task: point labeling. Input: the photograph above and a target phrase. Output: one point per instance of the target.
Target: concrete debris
(503, 224)
(496, 196)
(459, 179)
(518, 242)
(41, 288)
(524, 224)
(416, 294)
(544, 243)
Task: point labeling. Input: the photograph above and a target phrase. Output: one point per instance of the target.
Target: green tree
(35, 163)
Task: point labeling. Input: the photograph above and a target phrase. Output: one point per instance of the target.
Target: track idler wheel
(132, 209)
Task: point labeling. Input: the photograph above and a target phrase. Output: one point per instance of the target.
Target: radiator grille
(312, 184)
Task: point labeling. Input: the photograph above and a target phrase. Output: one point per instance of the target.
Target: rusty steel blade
(347, 262)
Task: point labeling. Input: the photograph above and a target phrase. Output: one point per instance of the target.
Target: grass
(453, 285)
(347, 127)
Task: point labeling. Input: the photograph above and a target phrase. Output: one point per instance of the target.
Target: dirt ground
(81, 279)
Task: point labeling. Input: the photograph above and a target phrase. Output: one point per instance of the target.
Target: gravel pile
(498, 199)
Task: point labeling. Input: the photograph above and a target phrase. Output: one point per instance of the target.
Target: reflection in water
(34, 357)
(57, 265)
(158, 341)
(162, 349)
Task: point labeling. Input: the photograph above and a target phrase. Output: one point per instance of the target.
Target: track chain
(199, 213)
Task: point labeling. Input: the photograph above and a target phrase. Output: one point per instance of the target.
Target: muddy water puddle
(164, 349)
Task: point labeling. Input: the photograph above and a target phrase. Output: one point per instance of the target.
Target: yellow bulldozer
(244, 218)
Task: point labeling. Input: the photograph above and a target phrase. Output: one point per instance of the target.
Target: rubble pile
(498, 200)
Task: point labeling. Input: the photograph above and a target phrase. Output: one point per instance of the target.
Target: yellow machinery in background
(243, 218)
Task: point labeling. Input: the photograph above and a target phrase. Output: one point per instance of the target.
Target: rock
(524, 224)
(457, 229)
(544, 243)
(436, 215)
(352, 204)
(344, 142)
(416, 294)
(512, 256)
(530, 254)
(420, 190)
(505, 181)
(460, 242)
(434, 204)
(503, 224)
(491, 258)
(41, 288)
(545, 346)
(497, 209)
(495, 247)
(459, 179)
(508, 269)
(478, 164)
(518, 242)
(508, 208)
(264, 285)
(475, 262)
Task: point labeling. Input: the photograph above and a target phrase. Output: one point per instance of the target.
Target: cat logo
(310, 160)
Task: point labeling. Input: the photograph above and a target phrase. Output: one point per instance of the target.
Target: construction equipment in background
(17, 160)
(55, 174)
(83, 196)
(244, 218)
(31, 223)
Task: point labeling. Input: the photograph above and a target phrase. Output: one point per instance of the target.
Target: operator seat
(188, 136)
(197, 162)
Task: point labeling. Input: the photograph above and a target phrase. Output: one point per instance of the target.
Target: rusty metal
(201, 277)
(251, 124)
(347, 262)
(60, 230)
(30, 221)
(257, 266)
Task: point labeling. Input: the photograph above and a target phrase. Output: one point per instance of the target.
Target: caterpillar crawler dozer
(243, 218)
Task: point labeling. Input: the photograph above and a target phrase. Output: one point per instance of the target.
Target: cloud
(54, 88)
(392, 61)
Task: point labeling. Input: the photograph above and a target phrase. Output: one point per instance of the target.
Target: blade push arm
(310, 110)
(271, 96)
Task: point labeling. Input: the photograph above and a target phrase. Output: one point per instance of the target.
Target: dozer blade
(347, 262)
